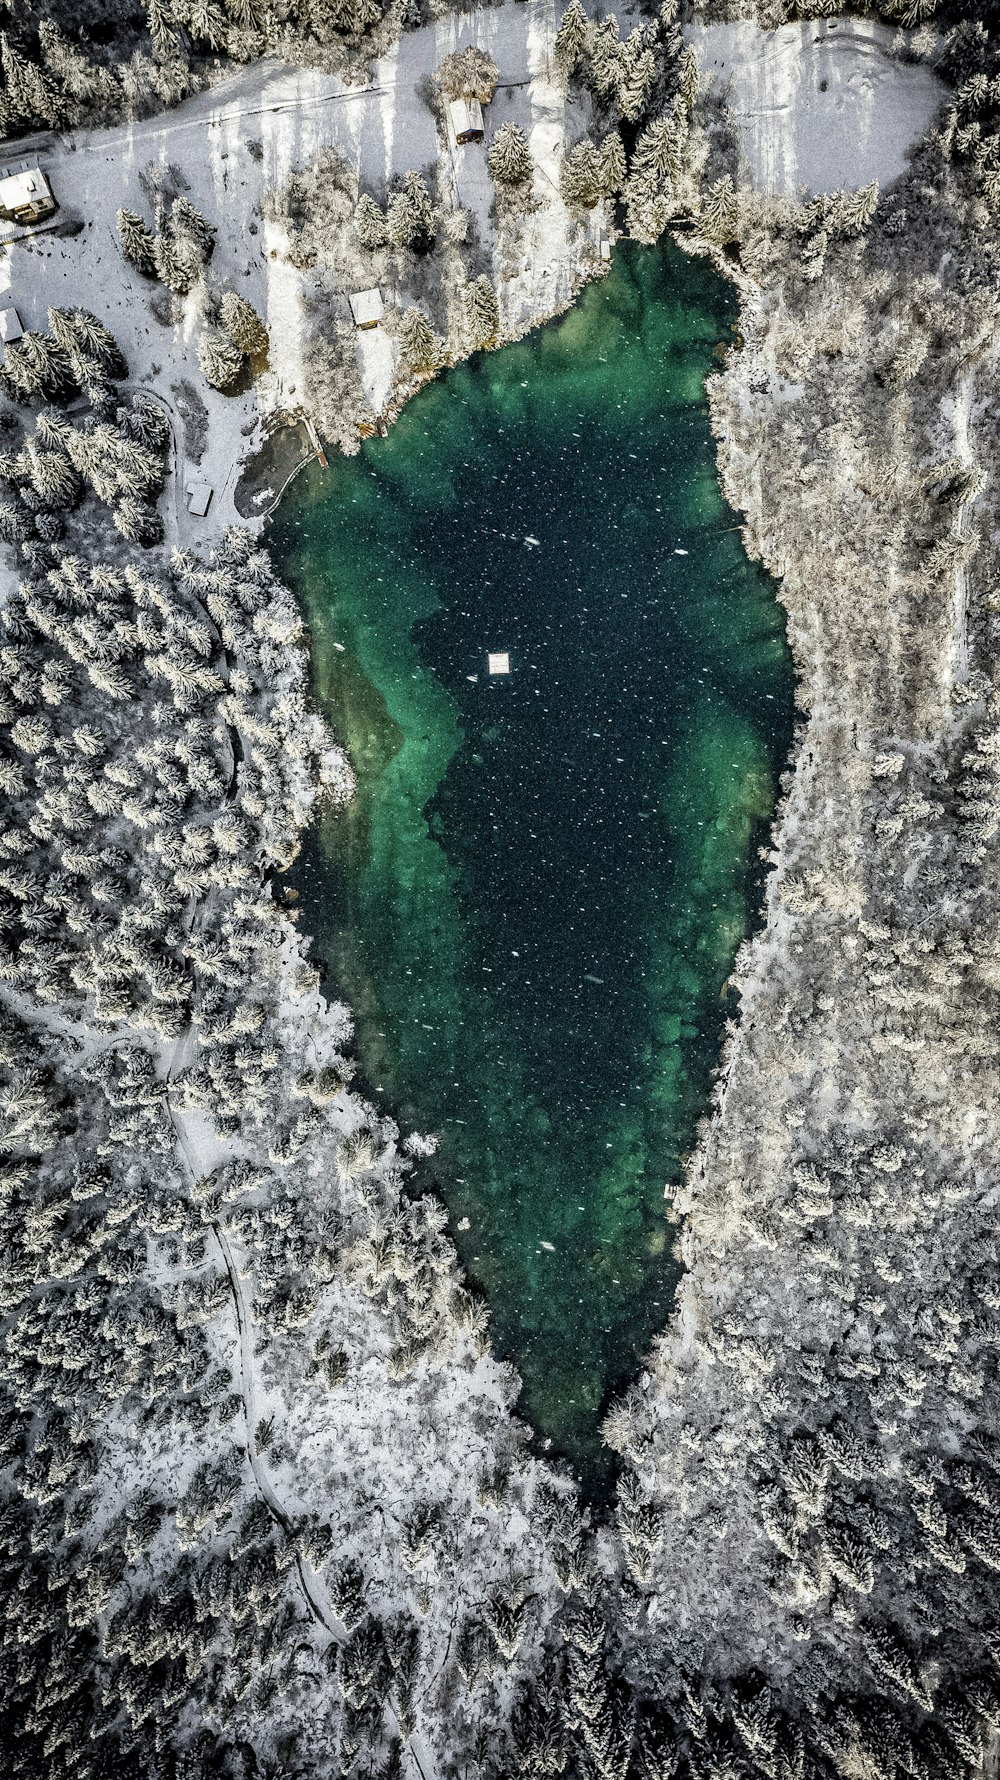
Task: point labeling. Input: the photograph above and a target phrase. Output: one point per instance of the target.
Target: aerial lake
(534, 902)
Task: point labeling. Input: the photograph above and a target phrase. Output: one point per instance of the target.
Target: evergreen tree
(612, 167)
(206, 21)
(509, 158)
(571, 40)
(86, 89)
(689, 78)
(418, 343)
(30, 95)
(138, 243)
(410, 217)
(371, 223)
(580, 180)
(482, 312)
(607, 60)
(221, 362)
(179, 263)
(81, 334)
(243, 325)
(720, 211)
(162, 27)
(188, 224)
(637, 65)
(469, 74)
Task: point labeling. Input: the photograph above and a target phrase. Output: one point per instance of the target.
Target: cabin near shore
(466, 119)
(367, 307)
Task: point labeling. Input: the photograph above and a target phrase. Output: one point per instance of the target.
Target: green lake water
(534, 903)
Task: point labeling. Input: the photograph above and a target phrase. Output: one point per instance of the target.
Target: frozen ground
(817, 105)
(243, 138)
(824, 105)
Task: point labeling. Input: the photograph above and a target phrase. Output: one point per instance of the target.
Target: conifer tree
(418, 343)
(720, 211)
(483, 312)
(221, 362)
(469, 74)
(509, 158)
(86, 89)
(580, 178)
(243, 325)
(371, 223)
(206, 21)
(607, 60)
(138, 243)
(30, 95)
(637, 73)
(612, 167)
(188, 224)
(410, 217)
(162, 27)
(571, 40)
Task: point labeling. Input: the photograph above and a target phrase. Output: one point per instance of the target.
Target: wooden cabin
(367, 307)
(26, 197)
(466, 118)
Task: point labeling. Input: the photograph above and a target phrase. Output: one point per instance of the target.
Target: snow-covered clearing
(824, 105)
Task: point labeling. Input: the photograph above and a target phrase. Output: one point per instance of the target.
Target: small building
(367, 308)
(498, 663)
(26, 197)
(466, 116)
(199, 498)
(10, 326)
(605, 249)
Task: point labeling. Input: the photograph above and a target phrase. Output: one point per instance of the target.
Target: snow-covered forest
(267, 1508)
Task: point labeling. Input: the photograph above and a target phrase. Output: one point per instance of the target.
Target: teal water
(534, 903)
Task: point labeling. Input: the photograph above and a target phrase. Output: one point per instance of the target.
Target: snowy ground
(244, 138)
(816, 105)
(825, 105)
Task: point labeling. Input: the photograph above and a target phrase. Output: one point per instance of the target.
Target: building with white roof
(367, 307)
(466, 118)
(26, 197)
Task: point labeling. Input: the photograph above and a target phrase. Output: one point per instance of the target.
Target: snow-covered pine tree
(410, 216)
(612, 166)
(86, 90)
(720, 211)
(509, 158)
(636, 77)
(28, 92)
(370, 220)
(607, 60)
(179, 262)
(419, 345)
(243, 325)
(188, 224)
(221, 362)
(469, 74)
(580, 178)
(136, 522)
(162, 26)
(572, 40)
(82, 335)
(483, 312)
(146, 422)
(138, 243)
(205, 20)
(36, 365)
